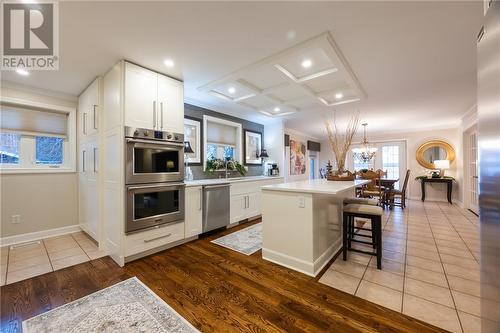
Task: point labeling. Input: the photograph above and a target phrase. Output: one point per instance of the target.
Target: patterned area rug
(128, 306)
(246, 241)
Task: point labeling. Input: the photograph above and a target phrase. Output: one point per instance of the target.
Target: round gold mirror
(434, 150)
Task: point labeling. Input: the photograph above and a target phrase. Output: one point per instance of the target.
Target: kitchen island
(302, 222)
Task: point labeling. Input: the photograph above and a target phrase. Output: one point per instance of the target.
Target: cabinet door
(193, 215)
(171, 104)
(82, 185)
(141, 109)
(253, 204)
(83, 114)
(238, 206)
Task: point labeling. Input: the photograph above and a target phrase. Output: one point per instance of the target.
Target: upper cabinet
(153, 101)
(88, 110)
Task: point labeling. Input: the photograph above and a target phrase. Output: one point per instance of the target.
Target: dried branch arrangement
(340, 142)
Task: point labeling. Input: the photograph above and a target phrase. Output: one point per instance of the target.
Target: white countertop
(319, 186)
(201, 182)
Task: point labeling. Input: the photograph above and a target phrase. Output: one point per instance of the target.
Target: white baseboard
(300, 265)
(33, 236)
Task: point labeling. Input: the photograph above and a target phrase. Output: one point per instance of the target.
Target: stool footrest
(365, 252)
(360, 241)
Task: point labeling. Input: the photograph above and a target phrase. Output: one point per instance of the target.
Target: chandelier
(366, 152)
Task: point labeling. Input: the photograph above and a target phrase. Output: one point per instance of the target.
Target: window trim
(69, 148)
(239, 137)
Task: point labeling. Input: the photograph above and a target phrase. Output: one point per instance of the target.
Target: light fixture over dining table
(366, 152)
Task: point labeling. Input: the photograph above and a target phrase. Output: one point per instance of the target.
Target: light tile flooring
(24, 261)
(430, 267)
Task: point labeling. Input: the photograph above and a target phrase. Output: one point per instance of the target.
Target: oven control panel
(144, 133)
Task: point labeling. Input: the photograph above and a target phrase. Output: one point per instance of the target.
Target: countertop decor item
(216, 164)
(341, 178)
(340, 143)
(366, 152)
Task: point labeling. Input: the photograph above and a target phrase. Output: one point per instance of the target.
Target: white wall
(274, 142)
(44, 201)
(413, 140)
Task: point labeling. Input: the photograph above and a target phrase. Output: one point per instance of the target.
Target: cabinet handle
(161, 107)
(154, 114)
(84, 120)
(95, 124)
(83, 160)
(95, 168)
(156, 238)
(201, 198)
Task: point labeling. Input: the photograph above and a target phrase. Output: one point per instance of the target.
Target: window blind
(221, 134)
(33, 121)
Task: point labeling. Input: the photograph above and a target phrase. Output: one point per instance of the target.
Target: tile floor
(430, 267)
(24, 261)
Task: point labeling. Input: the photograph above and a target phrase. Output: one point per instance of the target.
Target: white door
(473, 173)
(393, 160)
(253, 204)
(93, 190)
(83, 114)
(82, 185)
(238, 204)
(141, 109)
(194, 207)
(171, 104)
(92, 93)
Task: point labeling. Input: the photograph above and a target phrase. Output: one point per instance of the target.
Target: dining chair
(373, 189)
(400, 194)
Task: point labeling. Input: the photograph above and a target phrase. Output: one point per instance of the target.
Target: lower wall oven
(154, 204)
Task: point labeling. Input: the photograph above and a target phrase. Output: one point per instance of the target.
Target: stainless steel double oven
(154, 175)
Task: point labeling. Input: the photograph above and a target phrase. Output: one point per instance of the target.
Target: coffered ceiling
(298, 78)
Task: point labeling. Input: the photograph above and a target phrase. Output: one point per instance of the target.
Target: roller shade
(221, 134)
(33, 122)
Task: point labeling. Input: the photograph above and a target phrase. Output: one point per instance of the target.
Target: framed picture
(297, 158)
(192, 133)
(253, 146)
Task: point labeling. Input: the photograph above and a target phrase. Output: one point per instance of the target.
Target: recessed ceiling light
(231, 90)
(169, 63)
(22, 72)
(277, 109)
(307, 63)
(339, 95)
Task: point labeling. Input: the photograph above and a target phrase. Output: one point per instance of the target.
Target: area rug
(246, 241)
(128, 306)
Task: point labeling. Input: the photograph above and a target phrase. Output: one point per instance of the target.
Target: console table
(447, 181)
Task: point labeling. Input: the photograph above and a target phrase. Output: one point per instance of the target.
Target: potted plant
(217, 164)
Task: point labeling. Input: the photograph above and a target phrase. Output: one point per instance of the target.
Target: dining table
(388, 184)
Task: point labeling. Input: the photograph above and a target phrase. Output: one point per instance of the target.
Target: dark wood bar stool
(370, 212)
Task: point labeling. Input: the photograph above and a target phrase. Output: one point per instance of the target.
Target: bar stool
(361, 201)
(374, 214)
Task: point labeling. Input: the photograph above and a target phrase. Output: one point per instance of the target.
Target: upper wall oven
(153, 156)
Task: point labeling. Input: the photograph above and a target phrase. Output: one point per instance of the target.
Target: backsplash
(197, 112)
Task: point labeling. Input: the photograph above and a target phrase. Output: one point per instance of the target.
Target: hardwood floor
(216, 289)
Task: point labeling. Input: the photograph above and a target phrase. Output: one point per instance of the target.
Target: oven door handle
(156, 142)
(139, 187)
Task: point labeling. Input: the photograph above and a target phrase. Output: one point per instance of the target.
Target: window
(49, 150)
(360, 165)
(222, 139)
(33, 140)
(9, 148)
(222, 152)
(390, 162)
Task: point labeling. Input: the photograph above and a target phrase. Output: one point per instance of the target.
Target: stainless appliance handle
(216, 186)
(95, 125)
(154, 114)
(156, 238)
(161, 108)
(130, 188)
(156, 142)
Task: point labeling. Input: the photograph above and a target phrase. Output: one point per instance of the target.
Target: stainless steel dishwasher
(215, 206)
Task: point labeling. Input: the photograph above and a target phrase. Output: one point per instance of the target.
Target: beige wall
(297, 136)
(44, 201)
(413, 140)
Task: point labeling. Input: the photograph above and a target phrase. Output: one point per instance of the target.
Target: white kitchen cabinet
(171, 104)
(141, 109)
(88, 110)
(152, 100)
(88, 189)
(237, 207)
(193, 211)
(253, 204)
